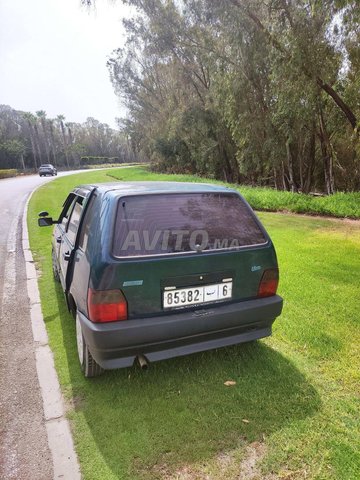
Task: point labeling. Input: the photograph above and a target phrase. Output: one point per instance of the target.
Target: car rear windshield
(173, 223)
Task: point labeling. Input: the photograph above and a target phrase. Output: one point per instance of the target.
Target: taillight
(268, 283)
(106, 305)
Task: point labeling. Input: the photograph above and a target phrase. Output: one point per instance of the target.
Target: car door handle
(58, 239)
(66, 256)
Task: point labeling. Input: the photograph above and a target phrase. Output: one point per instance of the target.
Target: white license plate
(180, 297)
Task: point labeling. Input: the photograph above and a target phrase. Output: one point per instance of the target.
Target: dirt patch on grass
(249, 467)
(238, 464)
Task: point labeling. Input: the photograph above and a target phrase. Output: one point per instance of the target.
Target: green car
(154, 270)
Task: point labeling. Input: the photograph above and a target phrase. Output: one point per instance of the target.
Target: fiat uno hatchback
(155, 270)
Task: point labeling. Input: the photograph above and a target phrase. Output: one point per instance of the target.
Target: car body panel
(47, 169)
(116, 345)
(151, 330)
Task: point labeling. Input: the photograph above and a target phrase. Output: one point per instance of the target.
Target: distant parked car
(47, 169)
(155, 270)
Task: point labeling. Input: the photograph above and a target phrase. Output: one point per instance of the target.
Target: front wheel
(54, 267)
(88, 365)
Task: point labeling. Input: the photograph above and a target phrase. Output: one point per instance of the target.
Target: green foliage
(89, 160)
(244, 91)
(10, 172)
(342, 205)
(13, 151)
(296, 393)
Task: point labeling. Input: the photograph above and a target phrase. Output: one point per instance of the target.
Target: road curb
(65, 463)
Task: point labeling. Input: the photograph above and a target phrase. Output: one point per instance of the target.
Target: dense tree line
(28, 140)
(263, 92)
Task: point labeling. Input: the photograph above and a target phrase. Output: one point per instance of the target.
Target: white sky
(53, 57)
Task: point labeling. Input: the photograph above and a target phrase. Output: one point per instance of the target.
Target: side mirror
(43, 214)
(45, 221)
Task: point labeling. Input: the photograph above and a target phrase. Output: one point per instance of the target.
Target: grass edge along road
(295, 405)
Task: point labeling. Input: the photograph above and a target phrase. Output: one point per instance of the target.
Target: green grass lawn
(295, 405)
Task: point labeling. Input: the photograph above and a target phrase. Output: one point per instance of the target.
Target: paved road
(24, 452)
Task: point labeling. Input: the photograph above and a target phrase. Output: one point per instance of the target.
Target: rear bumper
(116, 345)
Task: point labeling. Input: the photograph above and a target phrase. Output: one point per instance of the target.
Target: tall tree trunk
(37, 142)
(71, 140)
(52, 141)
(326, 151)
(228, 177)
(22, 161)
(65, 143)
(33, 147)
(310, 161)
(276, 182)
(349, 114)
(290, 160)
(283, 177)
(301, 156)
(46, 140)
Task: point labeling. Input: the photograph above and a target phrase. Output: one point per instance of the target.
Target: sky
(53, 57)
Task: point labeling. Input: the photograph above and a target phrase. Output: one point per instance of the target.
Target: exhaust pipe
(142, 361)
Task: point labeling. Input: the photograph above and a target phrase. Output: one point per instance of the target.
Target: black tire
(54, 267)
(89, 366)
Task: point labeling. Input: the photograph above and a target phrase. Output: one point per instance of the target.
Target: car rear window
(173, 223)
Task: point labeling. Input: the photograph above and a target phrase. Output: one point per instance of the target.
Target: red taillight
(269, 283)
(106, 305)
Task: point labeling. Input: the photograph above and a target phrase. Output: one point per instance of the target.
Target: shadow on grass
(179, 411)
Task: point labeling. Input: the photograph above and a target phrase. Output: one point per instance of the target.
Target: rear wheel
(88, 365)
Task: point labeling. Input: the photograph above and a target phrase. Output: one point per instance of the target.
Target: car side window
(74, 221)
(68, 206)
(85, 228)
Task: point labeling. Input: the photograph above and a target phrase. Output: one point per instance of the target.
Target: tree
(21, 145)
(60, 119)
(30, 119)
(15, 149)
(243, 90)
(41, 114)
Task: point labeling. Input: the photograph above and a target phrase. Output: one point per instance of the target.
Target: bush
(90, 160)
(10, 172)
(342, 205)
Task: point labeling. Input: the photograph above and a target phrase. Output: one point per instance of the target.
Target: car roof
(131, 188)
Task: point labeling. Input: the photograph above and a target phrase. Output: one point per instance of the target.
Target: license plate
(180, 297)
